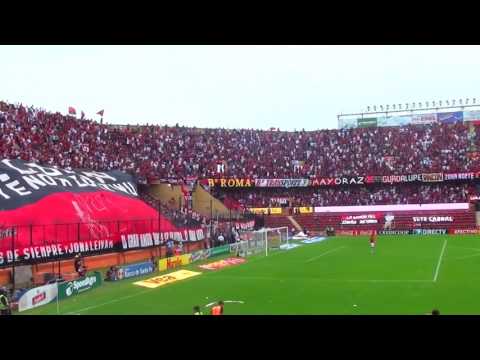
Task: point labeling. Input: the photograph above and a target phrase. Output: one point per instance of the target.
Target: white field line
(76, 312)
(468, 256)
(440, 261)
(325, 253)
(468, 248)
(266, 278)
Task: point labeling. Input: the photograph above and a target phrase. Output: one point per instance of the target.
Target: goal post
(263, 240)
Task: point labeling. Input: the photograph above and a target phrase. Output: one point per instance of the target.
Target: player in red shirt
(373, 240)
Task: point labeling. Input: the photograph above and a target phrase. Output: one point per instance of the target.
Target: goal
(264, 240)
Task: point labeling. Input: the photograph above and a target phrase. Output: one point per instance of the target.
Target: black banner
(23, 183)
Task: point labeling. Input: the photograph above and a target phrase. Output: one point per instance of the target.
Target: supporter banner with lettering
(266, 211)
(394, 179)
(286, 183)
(228, 182)
(306, 210)
(279, 200)
(422, 119)
(450, 117)
(360, 219)
(433, 219)
(47, 212)
(459, 176)
(345, 180)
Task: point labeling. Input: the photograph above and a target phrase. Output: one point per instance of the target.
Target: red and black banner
(47, 212)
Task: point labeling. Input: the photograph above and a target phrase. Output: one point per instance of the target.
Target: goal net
(261, 241)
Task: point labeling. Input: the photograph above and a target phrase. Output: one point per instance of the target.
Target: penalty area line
(325, 253)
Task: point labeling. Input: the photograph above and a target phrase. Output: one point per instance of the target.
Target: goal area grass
(408, 275)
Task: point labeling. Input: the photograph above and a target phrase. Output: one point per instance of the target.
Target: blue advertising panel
(450, 117)
(129, 271)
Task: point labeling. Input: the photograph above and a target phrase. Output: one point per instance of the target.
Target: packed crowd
(352, 196)
(178, 152)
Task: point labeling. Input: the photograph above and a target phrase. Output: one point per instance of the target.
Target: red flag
(100, 113)
(72, 111)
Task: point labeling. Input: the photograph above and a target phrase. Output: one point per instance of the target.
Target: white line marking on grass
(461, 247)
(439, 261)
(268, 278)
(468, 256)
(76, 312)
(325, 253)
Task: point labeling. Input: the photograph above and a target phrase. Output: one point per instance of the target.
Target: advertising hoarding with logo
(139, 269)
(450, 117)
(38, 296)
(78, 286)
(366, 122)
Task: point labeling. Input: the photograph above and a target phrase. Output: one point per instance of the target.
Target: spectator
(156, 152)
(79, 265)
(221, 239)
(170, 247)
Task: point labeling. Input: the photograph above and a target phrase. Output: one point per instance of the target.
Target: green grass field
(405, 275)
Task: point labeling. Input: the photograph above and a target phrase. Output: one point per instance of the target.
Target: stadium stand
(359, 195)
(161, 152)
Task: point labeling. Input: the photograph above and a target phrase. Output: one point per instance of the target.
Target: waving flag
(72, 111)
(100, 113)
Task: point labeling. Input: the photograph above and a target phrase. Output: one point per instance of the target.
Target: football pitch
(339, 276)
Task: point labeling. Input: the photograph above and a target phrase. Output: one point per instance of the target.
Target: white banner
(286, 183)
(379, 208)
(37, 297)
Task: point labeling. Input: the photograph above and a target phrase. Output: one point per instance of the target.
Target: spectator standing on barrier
(221, 239)
(170, 246)
(179, 249)
(80, 267)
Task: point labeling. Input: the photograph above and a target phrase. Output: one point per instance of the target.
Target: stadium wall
(166, 192)
(207, 205)
(67, 269)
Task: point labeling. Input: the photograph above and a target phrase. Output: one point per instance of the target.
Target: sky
(286, 87)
